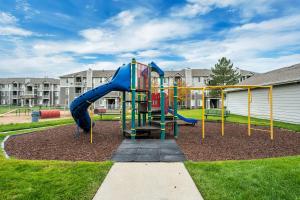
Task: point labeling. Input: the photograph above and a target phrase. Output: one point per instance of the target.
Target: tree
(223, 73)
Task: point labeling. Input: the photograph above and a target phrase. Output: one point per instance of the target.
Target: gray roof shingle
(29, 80)
(280, 76)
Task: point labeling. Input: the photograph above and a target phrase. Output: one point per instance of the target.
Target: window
(67, 91)
(77, 90)
(78, 79)
(166, 80)
(29, 88)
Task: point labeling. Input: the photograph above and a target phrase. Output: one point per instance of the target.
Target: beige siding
(286, 103)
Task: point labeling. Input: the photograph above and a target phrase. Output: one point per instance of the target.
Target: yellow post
(91, 114)
(203, 112)
(271, 111)
(222, 99)
(249, 112)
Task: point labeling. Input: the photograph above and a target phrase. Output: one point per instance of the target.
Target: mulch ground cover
(59, 143)
(236, 144)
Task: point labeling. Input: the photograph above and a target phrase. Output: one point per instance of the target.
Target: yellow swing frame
(224, 87)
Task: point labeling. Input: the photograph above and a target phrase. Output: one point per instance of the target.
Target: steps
(142, 130)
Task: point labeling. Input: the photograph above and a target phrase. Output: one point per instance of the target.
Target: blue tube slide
(79, 106)
(188, 120)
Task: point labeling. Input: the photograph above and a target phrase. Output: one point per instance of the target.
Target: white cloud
(124, 18)
(7, 18)
(34, 66)
(24, 7)
(247, 9)
(104, 65)
(150, 53)
(15, 31)
(92, 34)
(249, 46)
(121, 40)
(9, 27)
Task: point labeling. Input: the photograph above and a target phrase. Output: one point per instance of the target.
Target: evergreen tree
(223, 73)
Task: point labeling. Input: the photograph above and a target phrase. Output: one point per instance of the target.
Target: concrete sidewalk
(148, 181)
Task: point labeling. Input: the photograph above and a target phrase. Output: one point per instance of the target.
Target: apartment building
(72, 85)
(196, 78)
(29, 91)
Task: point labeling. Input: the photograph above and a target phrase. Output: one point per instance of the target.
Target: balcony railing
(78, 83)
(46, 96)
(28, 95)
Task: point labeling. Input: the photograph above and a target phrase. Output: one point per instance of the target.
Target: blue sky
(52, 38)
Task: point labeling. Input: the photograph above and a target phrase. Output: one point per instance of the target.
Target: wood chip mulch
(236, 144)
(59, 143)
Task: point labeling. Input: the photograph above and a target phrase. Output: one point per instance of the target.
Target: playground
(151, 111)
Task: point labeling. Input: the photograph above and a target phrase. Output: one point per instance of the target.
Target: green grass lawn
(5, 108)
(197, 114)
(24, 179)
(276, 178)
(29, 125)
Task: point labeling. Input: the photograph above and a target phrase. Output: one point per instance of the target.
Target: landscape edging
(3, 147)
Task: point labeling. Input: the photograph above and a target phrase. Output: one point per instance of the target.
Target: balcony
(15, 96)
(78, 83)
(46, 88)
(28, 96)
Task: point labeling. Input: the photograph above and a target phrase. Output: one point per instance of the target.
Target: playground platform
(148, 150)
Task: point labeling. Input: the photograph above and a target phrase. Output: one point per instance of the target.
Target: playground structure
(150, 104)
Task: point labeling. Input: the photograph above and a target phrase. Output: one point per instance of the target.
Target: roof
(103, 73)
(81, 73)
(280, 76)
(109, 73)
(246, 72)
(96, 73)
(29, 80)
(171, 74)
(201, 72)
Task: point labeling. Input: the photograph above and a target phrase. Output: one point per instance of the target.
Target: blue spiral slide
(79, 106)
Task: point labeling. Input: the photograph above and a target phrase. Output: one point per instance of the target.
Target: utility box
(35, 115)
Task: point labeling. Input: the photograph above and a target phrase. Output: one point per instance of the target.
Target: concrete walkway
(148, 181)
